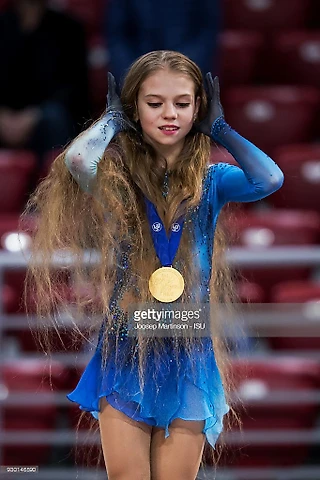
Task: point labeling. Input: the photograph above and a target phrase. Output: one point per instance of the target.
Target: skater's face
(166, 109)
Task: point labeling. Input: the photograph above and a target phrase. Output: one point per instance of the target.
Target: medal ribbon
(166, 248)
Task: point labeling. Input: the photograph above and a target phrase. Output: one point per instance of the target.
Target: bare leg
(125, 444)
(177, 457)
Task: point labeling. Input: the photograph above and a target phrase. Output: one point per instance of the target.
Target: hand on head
(114, 106)
(215, 109)
(113, 100)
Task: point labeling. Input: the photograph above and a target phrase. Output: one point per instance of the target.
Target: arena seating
(296, 57)
(267, 228)
(14, 237)
(250, 292)
(239, 55)
(61, 339)
(307, 293)
(12, 295)
(301, 166)
(16, 170)
(266, 15)
(256, 382)
(271, 116)
(30, 377)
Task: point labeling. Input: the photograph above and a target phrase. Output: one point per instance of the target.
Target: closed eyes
(156, 105)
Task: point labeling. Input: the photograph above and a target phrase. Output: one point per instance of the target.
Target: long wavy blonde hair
(72, 221)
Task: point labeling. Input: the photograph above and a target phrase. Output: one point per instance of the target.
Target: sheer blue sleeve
(84, 154)
(258, 177)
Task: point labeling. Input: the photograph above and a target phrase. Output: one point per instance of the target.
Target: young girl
(136, 187)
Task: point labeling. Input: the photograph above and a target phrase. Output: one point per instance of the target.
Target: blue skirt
(172, 389)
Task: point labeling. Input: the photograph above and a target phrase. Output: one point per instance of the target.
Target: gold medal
(166, 284)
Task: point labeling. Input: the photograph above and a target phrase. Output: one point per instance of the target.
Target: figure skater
(137, 188)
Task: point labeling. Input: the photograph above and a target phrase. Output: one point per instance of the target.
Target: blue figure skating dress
(174, 390)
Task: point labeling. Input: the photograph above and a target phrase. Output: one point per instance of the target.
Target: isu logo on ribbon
(156, 226)
(166, 284)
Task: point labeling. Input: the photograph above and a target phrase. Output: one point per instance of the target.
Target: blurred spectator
(43, 84)
(134, 27)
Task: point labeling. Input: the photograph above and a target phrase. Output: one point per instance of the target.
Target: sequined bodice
(202, 220)
(223, 183)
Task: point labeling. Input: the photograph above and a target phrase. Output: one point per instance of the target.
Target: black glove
(113, 100)
(215, 109)
(86, 151)
(114, 110)
(259, 176)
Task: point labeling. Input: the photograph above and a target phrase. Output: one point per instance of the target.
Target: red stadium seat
(12, 295)
(295, 292)
(296, 58)
(16, 170)
(266, 15)
(10, 299)
(239, 54)
(13, 238)
(307, 292)
(250, 292)
(272, 116)
(268, 228)
(62, 340)
(62, 335)
(265, 229)
(301, 167)
(255, 382)
(32, 377)
(23, 230)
